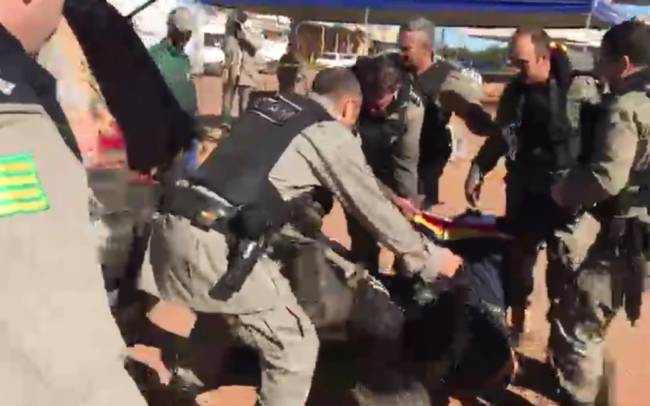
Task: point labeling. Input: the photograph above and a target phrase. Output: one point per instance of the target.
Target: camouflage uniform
(529, 208)
(435, 140)
(616, 169)
(188, 261)
(391, 146)
(58, 341)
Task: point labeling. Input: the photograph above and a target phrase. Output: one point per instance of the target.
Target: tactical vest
(435, 142)
(552, 146)
(238, 170)
(634, 199)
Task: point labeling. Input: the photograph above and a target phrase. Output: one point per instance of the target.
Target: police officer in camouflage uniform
(389, 126)
(311, 146)
(58, 341)
(612, 183)
(536, 129)
(443, 89)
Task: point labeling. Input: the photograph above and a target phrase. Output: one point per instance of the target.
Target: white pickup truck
(336, 60)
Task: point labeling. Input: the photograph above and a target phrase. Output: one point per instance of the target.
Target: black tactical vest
(238, 170)
(435, 142)
(540, 135)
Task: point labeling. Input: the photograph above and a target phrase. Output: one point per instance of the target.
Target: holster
(208, 211)
(630, 238)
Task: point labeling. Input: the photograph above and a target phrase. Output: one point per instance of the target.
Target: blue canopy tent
(476, 13)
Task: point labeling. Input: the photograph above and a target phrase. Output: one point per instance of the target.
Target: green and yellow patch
(21, 190)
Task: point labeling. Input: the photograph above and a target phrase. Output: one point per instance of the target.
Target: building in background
(315, 38)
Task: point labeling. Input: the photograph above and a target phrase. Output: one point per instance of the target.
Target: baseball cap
(181, 18)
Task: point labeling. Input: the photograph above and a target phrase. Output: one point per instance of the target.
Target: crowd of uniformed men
(374, 138)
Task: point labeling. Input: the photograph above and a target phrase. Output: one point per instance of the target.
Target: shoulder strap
(564, 137)
(557, 100)
(520, 96)
(440, 71)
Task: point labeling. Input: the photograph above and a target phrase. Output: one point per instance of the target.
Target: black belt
(207, 210)
(204, 209)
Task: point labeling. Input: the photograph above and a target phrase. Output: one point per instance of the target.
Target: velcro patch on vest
(21, 191)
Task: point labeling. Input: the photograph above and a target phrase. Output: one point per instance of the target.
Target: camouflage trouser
(532, 218)
(187, 262)
(580, 315)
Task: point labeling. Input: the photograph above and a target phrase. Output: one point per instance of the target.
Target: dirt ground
(626, 344)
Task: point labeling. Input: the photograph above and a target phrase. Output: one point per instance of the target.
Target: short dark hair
(336, 82)
(630, 38)
(378, 75)
(538, 36)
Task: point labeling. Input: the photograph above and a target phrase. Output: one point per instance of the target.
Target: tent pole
(594, 3)
(366, 17)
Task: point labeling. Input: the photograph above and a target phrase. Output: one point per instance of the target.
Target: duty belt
(207, 210)
(630, 238)
(204, 208)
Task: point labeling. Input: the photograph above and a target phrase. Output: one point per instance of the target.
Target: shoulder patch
(21, 191)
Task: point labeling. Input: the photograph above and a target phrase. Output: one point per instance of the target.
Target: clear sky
(455, 37)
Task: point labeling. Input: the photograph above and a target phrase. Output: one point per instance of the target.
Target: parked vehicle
(269, 55)
(336, 60)
(212, 52)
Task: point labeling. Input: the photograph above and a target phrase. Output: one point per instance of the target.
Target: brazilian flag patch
(21, 190)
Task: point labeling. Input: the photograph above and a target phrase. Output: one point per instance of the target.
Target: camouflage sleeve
(463, 85)
(583, 89)
(610, 164)
(462, 94)
(407, 154)
(342, 169)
